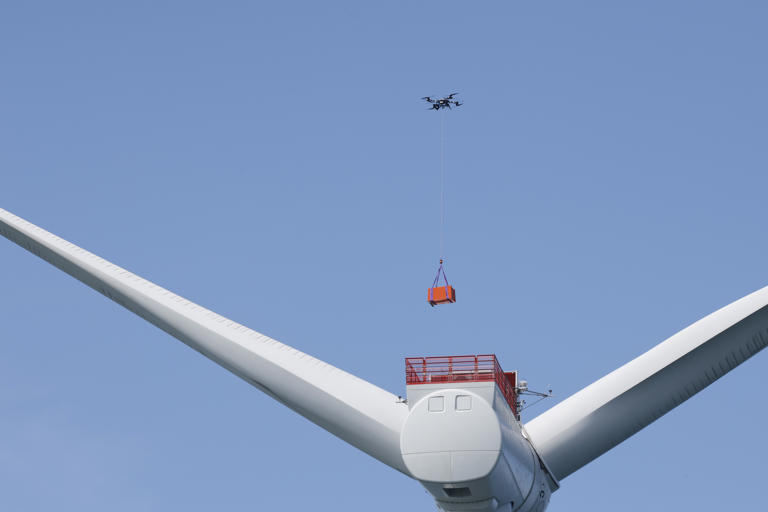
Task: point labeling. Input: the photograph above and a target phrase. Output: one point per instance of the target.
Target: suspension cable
(442, 184)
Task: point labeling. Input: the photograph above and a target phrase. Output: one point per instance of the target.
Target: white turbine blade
(600, 416)
(354, 410)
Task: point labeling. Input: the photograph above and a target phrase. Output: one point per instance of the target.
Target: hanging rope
(440, 270)
(442, 186)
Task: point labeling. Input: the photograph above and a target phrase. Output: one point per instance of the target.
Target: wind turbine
(457, 433)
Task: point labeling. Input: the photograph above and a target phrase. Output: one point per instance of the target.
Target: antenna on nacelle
(522, 389)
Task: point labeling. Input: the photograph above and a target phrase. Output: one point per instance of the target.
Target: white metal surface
(600, 416)
(354, 410)
(465, 446)
(442, 443)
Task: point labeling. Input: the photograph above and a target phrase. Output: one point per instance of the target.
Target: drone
(443, 102)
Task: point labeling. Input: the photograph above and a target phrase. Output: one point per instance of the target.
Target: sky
(604, 183)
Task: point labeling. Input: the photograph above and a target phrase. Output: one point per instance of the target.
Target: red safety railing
(459, 369)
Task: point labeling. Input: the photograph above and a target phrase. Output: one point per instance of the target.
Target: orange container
(441, 295)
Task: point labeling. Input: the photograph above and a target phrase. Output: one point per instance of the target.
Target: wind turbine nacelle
(466, 447)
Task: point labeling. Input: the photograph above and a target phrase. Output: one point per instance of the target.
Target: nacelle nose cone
(451, 435)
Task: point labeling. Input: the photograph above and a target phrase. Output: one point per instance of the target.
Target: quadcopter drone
(443, 102)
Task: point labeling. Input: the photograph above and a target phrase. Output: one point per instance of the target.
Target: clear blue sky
(606, 186)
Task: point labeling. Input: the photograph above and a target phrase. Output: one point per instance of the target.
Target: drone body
(442, 103)
(457, 433)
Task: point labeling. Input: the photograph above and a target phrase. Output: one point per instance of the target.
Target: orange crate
(441, 295)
